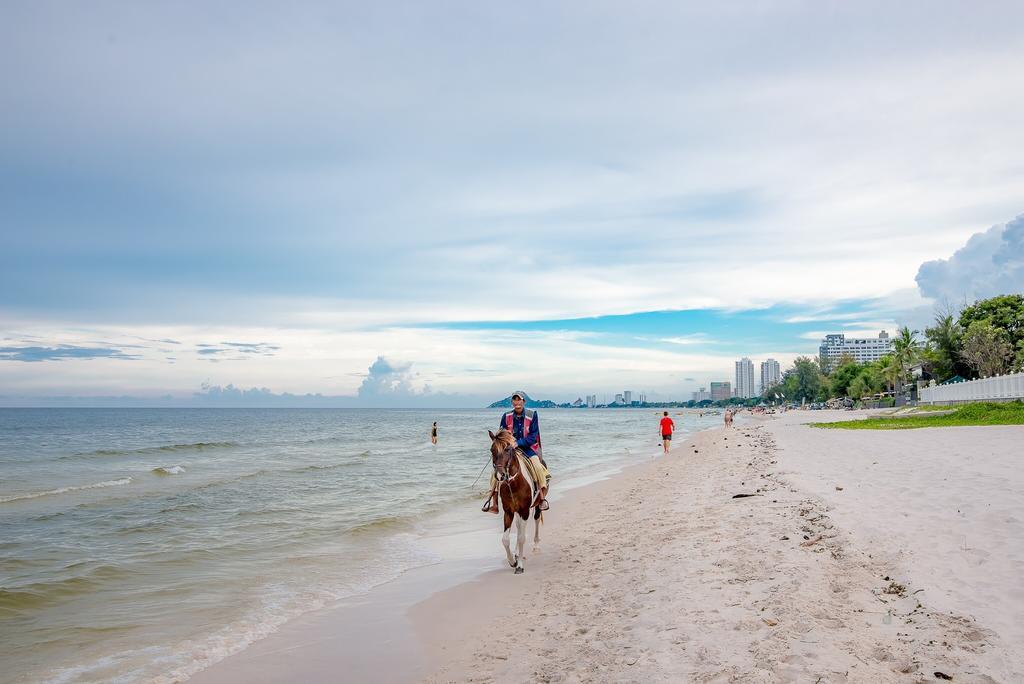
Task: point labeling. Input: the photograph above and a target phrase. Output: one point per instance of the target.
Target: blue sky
(574, 198)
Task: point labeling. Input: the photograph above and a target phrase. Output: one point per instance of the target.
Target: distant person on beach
(728, 418)
(433, 433)
(525, 427)
(667, 428)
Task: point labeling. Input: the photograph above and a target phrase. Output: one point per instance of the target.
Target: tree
(804, 381)
(889, 369)
(859, 388)
(945, 340)
(1005, 312)
(840, 379)
(906, 350)
(987, 349)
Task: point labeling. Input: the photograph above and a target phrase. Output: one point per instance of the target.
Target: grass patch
(924, 408)
(982, 413)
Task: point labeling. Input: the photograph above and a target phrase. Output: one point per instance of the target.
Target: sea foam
(64, 490)
(168, 470)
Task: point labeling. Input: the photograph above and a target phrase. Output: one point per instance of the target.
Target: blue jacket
(528, 442)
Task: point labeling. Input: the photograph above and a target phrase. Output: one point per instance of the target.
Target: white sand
(661, 575)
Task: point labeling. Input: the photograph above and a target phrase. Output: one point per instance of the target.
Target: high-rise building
(591, 400)
(627, 397)
(861, 350)
(721, 391)
(770, 374)
(702, 395)
(745, 379)
(619, 399)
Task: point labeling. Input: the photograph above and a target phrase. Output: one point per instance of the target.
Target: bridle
(501, 472)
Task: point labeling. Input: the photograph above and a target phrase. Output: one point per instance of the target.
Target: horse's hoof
(520, 571)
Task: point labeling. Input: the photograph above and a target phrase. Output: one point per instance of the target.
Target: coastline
(372, 635)
(659, 574)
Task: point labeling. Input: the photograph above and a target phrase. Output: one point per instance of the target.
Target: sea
(146, 544)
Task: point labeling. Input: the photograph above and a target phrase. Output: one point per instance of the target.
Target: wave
(388, 524)
(309, 468)
(39, 594)
(196, 446)
(64, 490)
(168, 470)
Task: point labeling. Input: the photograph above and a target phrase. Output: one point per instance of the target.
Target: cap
(519, 393)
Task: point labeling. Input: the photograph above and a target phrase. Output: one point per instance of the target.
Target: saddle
(526, 465)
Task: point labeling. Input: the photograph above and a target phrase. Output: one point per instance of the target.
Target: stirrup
(487, 505)
(543, 505)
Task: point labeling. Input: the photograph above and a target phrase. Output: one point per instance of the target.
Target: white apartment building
(702, 394)
(771, 374)
(862, 350)
(745, 379)
(627, 397)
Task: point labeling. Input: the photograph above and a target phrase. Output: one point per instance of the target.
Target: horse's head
(503, 451)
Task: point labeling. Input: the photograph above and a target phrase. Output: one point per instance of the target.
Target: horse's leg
(505, 539)
(536, 530)
(520, 543)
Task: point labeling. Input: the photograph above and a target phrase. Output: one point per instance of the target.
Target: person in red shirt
(667, 428)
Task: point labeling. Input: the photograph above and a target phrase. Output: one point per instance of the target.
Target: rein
(508, 482)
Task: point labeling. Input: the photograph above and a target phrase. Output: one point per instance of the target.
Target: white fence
(999, 388)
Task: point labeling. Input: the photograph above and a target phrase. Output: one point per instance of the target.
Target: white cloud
(990, 263)
(686, 340)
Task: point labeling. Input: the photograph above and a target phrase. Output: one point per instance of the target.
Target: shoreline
(371, 635)
(787, 583)
(660, 574)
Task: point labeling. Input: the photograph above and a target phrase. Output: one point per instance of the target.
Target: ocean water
(146, 544)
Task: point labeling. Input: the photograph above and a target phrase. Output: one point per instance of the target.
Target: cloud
(61, 352)
(181, 207)
(207, 351)
(388, 381)
(253, 347)
(990, 263)
(686, 340)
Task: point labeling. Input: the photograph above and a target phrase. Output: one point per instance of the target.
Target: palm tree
(906, 351)
(890, 370)
(946, 337)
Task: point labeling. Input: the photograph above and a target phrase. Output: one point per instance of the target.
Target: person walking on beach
(433, 433)
(728, 418)
(525, 427)
(667, 428)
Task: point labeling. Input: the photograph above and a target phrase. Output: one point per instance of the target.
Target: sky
(406, 204)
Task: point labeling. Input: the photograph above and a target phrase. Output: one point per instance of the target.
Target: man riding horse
(525, 427)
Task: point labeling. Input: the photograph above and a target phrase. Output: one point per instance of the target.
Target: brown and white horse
(516, 493)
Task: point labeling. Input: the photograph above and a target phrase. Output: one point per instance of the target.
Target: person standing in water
(667, 428)
(433, 433)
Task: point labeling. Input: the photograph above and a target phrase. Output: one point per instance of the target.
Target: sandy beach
(769, 552)
(862, 557)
